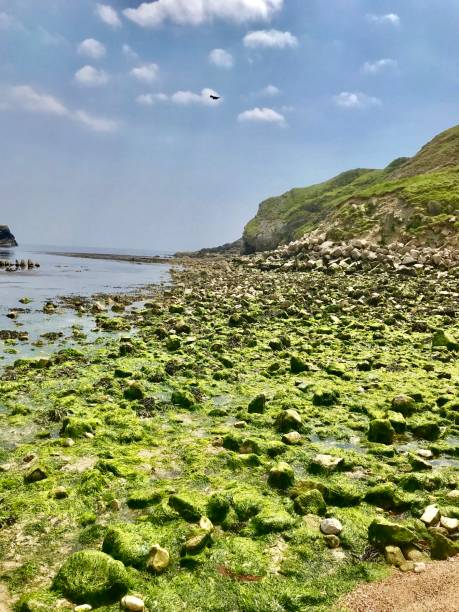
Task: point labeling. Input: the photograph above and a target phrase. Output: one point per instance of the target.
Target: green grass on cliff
(424, 188)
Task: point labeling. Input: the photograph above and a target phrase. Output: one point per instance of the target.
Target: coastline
(144, 259)
(186, 407)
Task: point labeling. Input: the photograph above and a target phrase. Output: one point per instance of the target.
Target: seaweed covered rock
(126, 544)
(404, 404)
(381, 431)
(310, 502)
(187, 506)
(289, 420)
(92, 577)
(383, 532)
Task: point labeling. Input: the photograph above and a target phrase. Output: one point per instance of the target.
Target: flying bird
(214, 97)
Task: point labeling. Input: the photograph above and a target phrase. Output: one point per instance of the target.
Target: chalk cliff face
(413, 199)
(6, 237)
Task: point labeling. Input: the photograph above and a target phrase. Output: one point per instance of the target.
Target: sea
(58, 276)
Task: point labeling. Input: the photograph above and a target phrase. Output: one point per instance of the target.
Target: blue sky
(110, 137)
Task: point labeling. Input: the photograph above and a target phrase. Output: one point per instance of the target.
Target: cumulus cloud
(196, 12)
(108, 15)
(270, 39)
(129, 52)
(388, 18)
(379, 66)
(270, 91)
(92, 48)
(91, 77)
(221, 58)
(146, 73)
(189, 97)
(151, 99)
(26, 98)
(350, 100)
(262, 115)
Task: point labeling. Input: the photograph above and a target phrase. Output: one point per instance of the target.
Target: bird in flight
(213, 97)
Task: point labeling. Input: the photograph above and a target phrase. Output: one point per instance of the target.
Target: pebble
(83, 608)
(158, 560)
(451, 524)
(331, 526)
(135, 604)
(431, 515)
(420, 567)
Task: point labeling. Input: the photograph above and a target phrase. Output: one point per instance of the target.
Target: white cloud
(379, 66)
(92, 48)
(147, 73)
(189, 97)
(91, 77)
(129, 52)
(221, 58)
(108, 15)
(26, 98)
(151, 99)
(29, 99)
(97, 124)
(270, 91)
(262, 115)
(389, 18)
(273, 39)
(196, 12)
(351, 100)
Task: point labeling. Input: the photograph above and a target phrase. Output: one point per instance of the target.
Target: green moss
(92, 577)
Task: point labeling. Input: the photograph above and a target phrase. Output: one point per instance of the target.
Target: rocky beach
(251, 437)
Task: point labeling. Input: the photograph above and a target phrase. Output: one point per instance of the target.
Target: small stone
(68, 442)
(199, 541)
(414, 554)
(420, 567)
(89, 435)
(331, 526)
(158, 559)
(292, 438)
(83, 608)
(135, 604)
(240, 424)
(451, 524)
(394, 555)
(332, 541)
(453, 495)
(431, 515)
(424, 453)
(289, 420)
(257, 405)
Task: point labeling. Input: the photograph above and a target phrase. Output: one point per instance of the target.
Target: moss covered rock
(187, 506)
(383, 532)
(92, 577)
(281, 476)
(381, 431)
(310, 502)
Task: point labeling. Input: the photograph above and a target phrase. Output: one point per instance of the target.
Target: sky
(110, 137)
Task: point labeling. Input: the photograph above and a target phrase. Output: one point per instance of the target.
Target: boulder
(281, 476)
(381, 431)
(383, 532)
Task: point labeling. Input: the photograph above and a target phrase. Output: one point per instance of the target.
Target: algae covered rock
(281, 476)
(126, 544)
(383, 532)
(217, 507)
(441, 547)
(184, 399)
(325, 397)
(310, 502)
(257, 405)
(92, 577)
(158, 559)
(289, 420)
(442, 338)
(404, 404)
(187, 506)
(381, 431)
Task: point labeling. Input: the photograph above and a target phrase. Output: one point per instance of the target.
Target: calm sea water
(62, 276)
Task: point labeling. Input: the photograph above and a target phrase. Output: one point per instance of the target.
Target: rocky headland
(6, 237)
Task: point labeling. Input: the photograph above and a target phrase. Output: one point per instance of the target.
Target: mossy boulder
(381, 431)
(289, 420)
(387, 496)
(281, 476)
(127, 544)
(188, 506)
(134, 391)
(404, 404)
(310, 502)
(258, 404)
(92, 577)
(325, 397)
(383, 532)
(297, 365)
(441, 547)
(425, 428)
(271, 520)
(442, 338)
(184, 399)
(397, 420)
(217, 508)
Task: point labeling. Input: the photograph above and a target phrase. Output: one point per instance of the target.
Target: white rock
(331, 526)
(420, 567)
(135, 604)
(431, 515)
(426, 454)
(451, 524)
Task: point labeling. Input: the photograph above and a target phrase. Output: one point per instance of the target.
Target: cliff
(6, 237)
(415, 199)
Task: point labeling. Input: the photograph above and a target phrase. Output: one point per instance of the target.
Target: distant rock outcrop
(6, 237)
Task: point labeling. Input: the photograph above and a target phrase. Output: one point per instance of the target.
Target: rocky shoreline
(274, 432)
